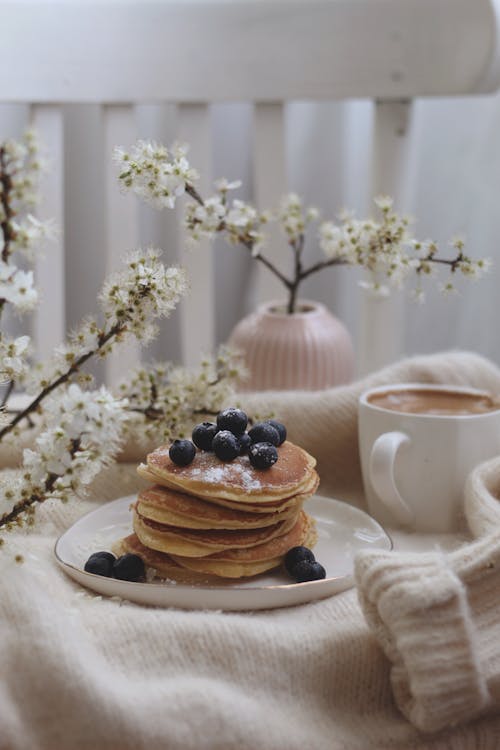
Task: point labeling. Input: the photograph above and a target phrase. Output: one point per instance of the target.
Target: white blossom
(18, 287)
(145, 290)
(475, 269)
(333, 241)
(205, 220)
(154, 173)
(292, 217)
(83, 432)
(22, 162)
(447, 288)
(384, 202)
(31, 234)
(375, 288)
(241, 215)
(223, 185)
(13, 353)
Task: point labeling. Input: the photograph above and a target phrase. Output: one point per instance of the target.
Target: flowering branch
(383, 247)
(130, 300)
(84, 432)
(165, 401)
(81, 431)
(19, 232)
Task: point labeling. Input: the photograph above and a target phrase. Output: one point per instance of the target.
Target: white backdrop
(453, 186)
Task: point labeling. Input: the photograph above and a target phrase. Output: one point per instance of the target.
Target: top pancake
(208, 477)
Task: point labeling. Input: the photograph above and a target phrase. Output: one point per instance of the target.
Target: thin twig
(7, 210)
(22, 505)
(8, 391)
(103, 339)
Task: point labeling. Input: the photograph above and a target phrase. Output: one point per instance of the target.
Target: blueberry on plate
(101, 564)
(262, 455)
(296, 555)
(107, 555)
(232, 419)
(245, 443)
(280, 429)
(263, 432)
(182, 452)
(226, 445)
(203, 435)
(129, 567)
(305, 570)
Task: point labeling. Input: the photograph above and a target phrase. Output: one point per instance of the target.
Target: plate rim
(167, 584)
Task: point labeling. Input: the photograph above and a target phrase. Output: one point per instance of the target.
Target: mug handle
(382, 461)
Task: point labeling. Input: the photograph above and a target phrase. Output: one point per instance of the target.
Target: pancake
(202, 542)
(237, 481)
(173, 508)
(217, 569)
(162, 564)
(273, 506)
(243, 563)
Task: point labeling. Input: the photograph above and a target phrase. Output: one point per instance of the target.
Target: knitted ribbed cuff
(482, 507)
(417, 606)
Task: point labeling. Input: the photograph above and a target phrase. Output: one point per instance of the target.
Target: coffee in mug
(433, 401)
(418, 443)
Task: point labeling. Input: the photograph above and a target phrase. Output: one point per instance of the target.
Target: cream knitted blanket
(79, 672)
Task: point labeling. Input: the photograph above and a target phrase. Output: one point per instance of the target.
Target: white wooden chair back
(119, 54)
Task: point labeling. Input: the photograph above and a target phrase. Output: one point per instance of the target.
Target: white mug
(415, 465)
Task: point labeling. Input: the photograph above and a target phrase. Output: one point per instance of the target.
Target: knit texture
(81, 672)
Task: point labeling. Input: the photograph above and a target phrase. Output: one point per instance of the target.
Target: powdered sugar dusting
(214, 474)
(235, 471)
(249, 482)
(207, 468)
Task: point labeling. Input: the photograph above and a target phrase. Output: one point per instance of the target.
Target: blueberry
(203, 434)
(232, 419)
(182, 452)
(226, 445)
(263, 432)
(129, 567)
(262, 455)
(100, 563)
(305, 570)
(107, 556)
(280, 428)
(296, 555)
(245, 443)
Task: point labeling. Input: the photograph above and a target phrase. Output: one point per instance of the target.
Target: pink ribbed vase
(308, 350)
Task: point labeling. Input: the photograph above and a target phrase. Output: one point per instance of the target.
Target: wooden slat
(161, 228)
(49, 323)
(380, 339)
(122, 226)
(270, 183)
(197, 312)
(246, 50)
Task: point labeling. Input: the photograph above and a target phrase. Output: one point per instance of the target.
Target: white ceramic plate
(342, 531)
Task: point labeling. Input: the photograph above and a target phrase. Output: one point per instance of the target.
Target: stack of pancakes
(224, 519)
